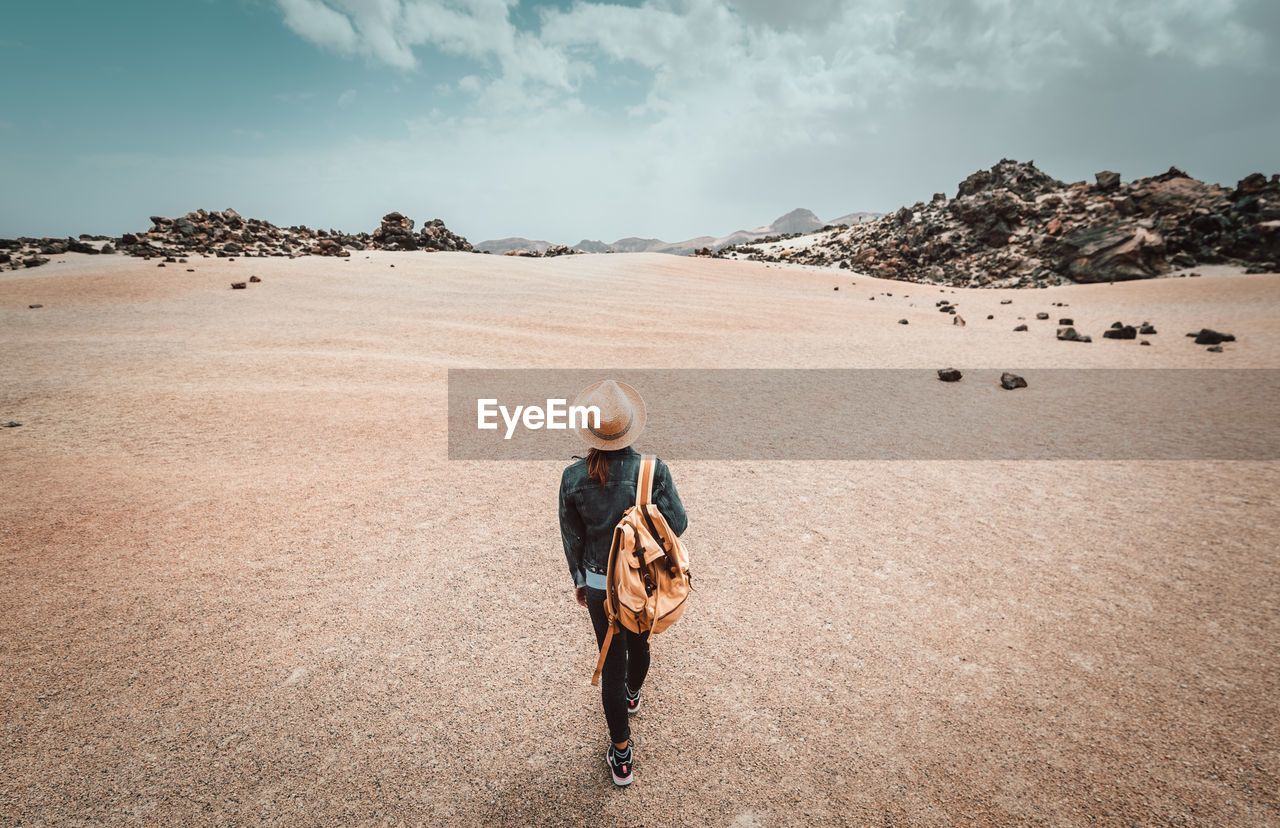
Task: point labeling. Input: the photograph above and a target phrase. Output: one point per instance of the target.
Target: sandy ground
(242, 584)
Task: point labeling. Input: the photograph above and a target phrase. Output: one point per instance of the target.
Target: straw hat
(622, 415)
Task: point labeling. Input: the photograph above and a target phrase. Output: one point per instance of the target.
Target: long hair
(598, 466)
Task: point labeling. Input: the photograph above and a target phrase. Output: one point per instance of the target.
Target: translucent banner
(881, 414)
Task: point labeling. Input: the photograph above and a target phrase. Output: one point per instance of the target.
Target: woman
(593, 495)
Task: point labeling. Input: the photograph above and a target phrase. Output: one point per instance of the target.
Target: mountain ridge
(799, 220)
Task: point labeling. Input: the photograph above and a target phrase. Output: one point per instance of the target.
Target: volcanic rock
(1011, 381)
(1123, 332)
(1070, 334)
(949, 375)
(1208, 336)
(1112, 253)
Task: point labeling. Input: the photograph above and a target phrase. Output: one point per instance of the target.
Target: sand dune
(244, 583)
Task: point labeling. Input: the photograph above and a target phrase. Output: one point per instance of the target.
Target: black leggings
(628, 661)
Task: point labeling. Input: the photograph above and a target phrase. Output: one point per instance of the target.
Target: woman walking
(594, 494)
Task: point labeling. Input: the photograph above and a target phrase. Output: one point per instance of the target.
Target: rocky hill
(226, 233)
(1014, 225)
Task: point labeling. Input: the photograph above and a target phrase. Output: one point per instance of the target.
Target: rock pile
(1015, 226)
(396, 233)
(227, 234)
(24, 252)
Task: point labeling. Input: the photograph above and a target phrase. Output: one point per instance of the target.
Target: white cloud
(316, 22)
(821, 57)
(738, 95)
(347, 98)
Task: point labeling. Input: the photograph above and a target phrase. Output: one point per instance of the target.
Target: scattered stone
(1123, 332)
(1108, 181)
(33, 307)
(254, 279)
(1217, 349)
(903, 322)
(1208, 336)
(1006, 301)
(1147, 328)
(1011, 381)
(237, 285)
(1145, 342)
(949, 375)
(1070, 334)
(12, 424)
(1066, 320)
(991, 316)
(1021, 328)
(1042, 315)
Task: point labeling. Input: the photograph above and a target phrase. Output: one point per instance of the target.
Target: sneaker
(619, 765)
(633, 700)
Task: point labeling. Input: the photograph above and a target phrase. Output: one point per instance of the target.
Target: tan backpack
(647, 584)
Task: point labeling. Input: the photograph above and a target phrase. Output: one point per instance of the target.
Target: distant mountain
(512, 243)
(799, 220)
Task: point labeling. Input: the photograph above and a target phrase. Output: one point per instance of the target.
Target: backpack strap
(610, 604)
(644, 481)
(604, 651)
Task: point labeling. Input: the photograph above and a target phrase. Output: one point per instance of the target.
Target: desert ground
(243, 584)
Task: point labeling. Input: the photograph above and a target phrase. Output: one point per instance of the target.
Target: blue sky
(569, 120)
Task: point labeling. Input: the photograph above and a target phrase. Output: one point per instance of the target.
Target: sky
(568, 119)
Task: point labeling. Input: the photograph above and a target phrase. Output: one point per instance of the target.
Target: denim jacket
(589, 511)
